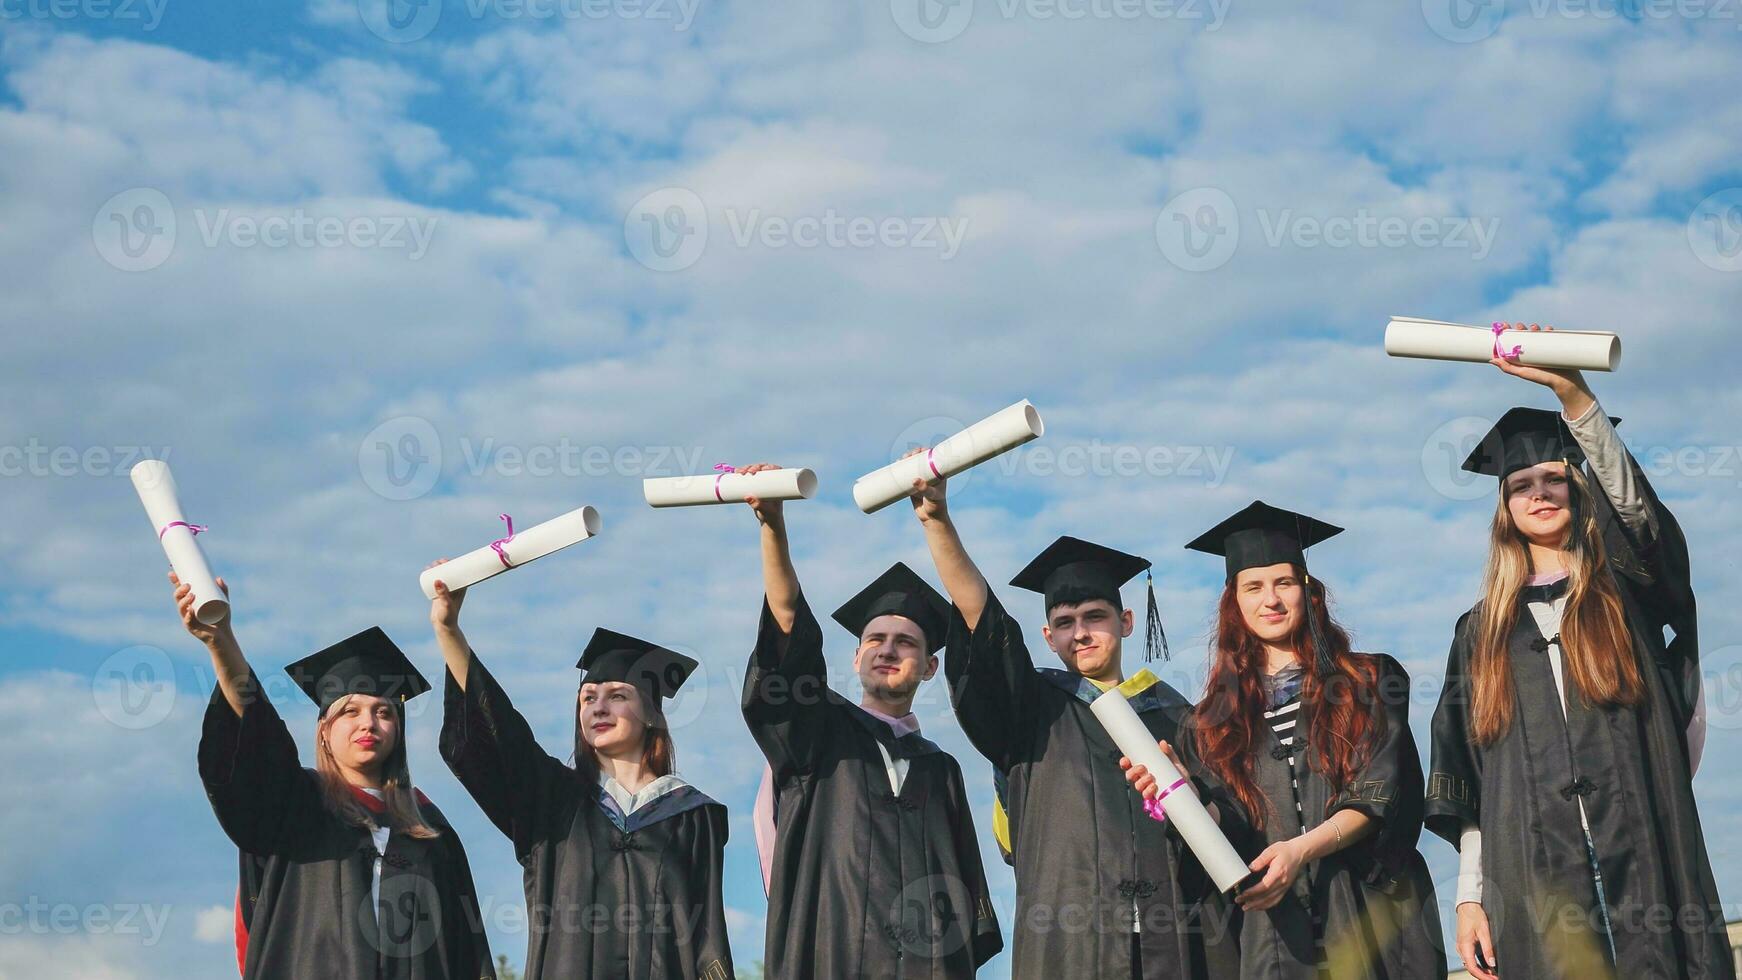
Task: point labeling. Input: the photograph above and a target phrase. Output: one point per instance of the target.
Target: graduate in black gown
(1100, 893)
(1306, 753)
(622, 857)
(1563, 753)
(346, 870)
(872, 864)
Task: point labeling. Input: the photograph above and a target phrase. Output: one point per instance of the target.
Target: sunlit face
(361, 731)
(1272, 601)
(1086, 636)
(613, 718)
(892, 660)
(1538, 499)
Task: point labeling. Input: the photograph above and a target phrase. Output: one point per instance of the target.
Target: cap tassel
(1153, 634)
(1322, 661)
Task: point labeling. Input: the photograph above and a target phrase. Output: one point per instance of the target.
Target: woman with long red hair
(1304, 751)
(1567, 733)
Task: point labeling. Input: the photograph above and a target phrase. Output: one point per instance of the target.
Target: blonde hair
(403, 814)
(1594, 634)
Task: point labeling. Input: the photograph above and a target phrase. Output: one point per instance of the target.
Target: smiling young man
(1099, 890)
(869, 853)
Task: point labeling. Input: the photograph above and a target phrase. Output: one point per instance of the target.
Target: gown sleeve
(492, 751)
(786, 693)
(713, 954)
(1390, 788)
(248, 764)
(992, 682)
(1453, 796)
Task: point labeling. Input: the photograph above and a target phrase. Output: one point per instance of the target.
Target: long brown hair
(1594, 633)
(403, 814)
(658, 752)
(1229, 725)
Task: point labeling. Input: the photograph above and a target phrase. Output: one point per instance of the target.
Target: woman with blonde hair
(1567, 733)
(346, 870)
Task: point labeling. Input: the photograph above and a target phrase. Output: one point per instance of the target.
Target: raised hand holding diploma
(1176, 798)
(730, 486)
(985, 439)
(157, 491)
(513, 550)
(1588, 350)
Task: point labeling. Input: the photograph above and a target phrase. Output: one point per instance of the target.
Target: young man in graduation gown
(346, 870)
(1566, 736)
(872, 865)
(1305, 749)
(623, 859)
(1102, 890)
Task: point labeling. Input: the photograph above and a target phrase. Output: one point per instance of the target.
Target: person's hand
(930, 499)
(184, 603)
(768, 512)
(1281, 863)
(1144, 781)
(1473, 935)
(444, 609)
(1561, 381)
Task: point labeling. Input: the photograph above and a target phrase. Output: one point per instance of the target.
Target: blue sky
(366, 286)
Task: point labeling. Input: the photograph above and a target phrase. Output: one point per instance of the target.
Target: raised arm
(228, 663)
(962, 579)
(444, 615)
(779, 578)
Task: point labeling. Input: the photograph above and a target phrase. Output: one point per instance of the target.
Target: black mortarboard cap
(368, 663)
(652, 669)
(1261, 535)
(1072, 570)
(1523, 438)
(899, 592)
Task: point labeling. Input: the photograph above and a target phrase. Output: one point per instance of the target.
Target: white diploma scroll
(157, 492)
(989, 437)
(729, 488)
(1183, 807)
(1584, 350)
(531, 544)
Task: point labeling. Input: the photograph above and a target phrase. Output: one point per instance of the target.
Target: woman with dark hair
(1568, 731)
(346, 870)
(1305, 755)
(623, 858)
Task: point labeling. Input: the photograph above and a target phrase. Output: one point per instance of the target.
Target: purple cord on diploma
(1501, 352)
(497, 544)
(724, 468)
(1154, 807)
(192, 528)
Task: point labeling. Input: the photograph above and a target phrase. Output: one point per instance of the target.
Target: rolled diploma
(1183, 807)
(156, 487)
(989, 437)
(533, 543)
(729, 488)
(1584, 350)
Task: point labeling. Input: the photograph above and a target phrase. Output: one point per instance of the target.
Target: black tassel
(1321, 647)
(1152, 631)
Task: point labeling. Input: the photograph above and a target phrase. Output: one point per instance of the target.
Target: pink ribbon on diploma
(192, 528)
(1154, 807)
(1501, 352)
(497, 544)
(724, 468)
(933, 464)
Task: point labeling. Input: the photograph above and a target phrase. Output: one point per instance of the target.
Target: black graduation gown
(630, 898)
(1085, 853)
(1372, 904)
(865, 883)
(304, 903)
(1629, 765)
